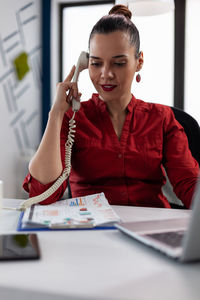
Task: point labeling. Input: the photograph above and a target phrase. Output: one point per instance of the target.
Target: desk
(97, 264)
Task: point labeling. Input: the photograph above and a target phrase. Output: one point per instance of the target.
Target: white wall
(192, 65)
(20, 101)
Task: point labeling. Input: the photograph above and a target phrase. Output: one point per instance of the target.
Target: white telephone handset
(81, 65)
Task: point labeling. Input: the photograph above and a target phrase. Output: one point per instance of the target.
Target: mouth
(108, 87)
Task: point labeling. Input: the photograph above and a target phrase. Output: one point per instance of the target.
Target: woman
(121, 143)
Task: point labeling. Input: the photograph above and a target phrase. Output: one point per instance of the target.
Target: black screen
(19, 247)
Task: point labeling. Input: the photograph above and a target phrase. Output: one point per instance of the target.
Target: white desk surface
(97, 264)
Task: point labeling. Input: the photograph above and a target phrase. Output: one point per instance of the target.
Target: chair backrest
(192, 131)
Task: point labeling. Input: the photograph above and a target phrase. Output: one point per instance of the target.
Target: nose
(106, 72)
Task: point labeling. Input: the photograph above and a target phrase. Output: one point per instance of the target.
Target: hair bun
(120, 9)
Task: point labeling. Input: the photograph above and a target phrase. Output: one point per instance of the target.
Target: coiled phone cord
(68, 152)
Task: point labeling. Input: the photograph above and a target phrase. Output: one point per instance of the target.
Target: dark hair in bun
(119, 19)
(120, 10)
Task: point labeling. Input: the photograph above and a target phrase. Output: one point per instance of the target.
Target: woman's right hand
(65, 92)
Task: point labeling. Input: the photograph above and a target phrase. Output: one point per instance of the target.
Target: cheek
(127, 78)
(131, 73)
(93, 75)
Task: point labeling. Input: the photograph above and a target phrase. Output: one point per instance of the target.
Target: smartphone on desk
(19, 247)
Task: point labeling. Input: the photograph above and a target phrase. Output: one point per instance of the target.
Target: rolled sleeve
(35, 188)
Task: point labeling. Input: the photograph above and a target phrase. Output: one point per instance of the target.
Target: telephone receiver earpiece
(82, 64)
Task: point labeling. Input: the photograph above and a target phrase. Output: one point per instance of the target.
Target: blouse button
(119, 155)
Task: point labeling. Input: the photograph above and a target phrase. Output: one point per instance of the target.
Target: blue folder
(37, 227)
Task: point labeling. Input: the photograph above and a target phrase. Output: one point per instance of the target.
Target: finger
(69, 97)
(79, 97)
(70, 75)
(73, 93)
(63, 87)
(73, 89)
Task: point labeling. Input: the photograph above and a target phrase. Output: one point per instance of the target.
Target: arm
(48, 162)
(182, 169)
(46, 165)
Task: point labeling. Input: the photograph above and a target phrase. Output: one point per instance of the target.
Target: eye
(120, 64)
(95, 64)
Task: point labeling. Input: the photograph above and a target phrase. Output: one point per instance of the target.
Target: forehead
(114, 43)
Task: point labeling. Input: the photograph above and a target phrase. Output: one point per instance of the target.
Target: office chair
(192, 131)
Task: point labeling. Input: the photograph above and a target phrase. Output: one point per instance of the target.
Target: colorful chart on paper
(88, 211)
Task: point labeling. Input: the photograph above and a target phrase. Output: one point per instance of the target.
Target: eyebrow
(116, 56)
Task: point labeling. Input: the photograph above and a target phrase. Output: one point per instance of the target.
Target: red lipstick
(108, 87)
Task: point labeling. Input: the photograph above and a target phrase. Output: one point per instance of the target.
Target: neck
(117, 108)
(117, 112)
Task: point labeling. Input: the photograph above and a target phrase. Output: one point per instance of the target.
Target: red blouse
(130, 170)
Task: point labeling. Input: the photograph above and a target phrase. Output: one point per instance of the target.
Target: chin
(106, 98)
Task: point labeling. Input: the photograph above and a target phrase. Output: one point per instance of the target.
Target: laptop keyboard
(173, 238)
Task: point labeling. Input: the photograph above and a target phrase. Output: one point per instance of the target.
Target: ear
(140, 62)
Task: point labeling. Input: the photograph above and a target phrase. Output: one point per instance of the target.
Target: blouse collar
(102, 105)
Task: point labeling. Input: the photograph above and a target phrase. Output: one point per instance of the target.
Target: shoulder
(154, 111)
(153, 108)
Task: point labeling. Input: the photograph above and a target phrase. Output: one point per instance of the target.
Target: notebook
(178, 238)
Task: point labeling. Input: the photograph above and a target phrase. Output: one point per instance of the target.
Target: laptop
(178, 238)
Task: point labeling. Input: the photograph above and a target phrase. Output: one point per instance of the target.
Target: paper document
(88, 211)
